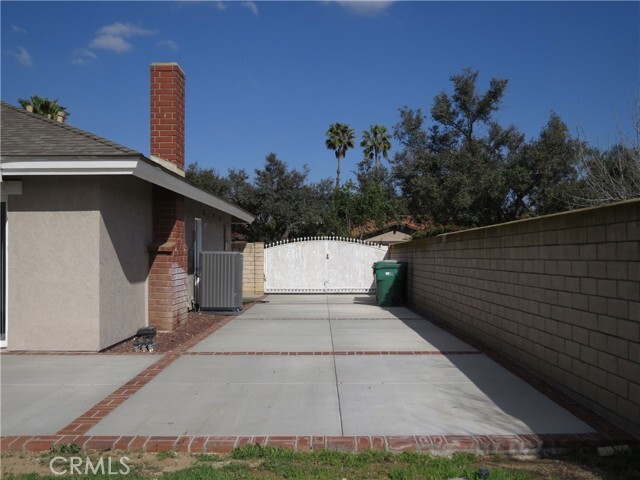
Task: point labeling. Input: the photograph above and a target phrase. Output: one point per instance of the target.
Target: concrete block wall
(559, 294)
(253, 267)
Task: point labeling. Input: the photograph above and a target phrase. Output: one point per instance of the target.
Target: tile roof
(28, 134)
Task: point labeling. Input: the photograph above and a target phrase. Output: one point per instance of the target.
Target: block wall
(559, 294)
(253, 267)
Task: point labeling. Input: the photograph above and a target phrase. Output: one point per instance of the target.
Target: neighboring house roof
(390, 237)
(31, 144)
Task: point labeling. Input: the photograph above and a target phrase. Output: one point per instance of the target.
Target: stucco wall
(53, 301)
(125, 232)
(559, 294)
(216, 232)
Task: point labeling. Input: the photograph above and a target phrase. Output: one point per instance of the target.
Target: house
(97, 239)
(394, 231)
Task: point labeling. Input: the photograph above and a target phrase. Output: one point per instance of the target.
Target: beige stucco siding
(53, 237)
(216, 232)
(125, 233)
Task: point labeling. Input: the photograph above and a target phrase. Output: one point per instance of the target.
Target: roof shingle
(28, 134)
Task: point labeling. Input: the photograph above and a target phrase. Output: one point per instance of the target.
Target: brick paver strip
(437, 444)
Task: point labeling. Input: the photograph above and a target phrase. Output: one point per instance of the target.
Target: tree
(454, 171)
(376, 141)
(208, 179)
(340, 137)
(612, 175)
(284, 204)
(45, 107)
(542, 175)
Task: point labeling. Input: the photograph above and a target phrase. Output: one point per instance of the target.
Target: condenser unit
(220, 281)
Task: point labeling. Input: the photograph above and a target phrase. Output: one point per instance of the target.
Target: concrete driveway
(335, 365)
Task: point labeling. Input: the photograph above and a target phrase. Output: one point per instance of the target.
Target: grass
(270, 463)
(166, 454)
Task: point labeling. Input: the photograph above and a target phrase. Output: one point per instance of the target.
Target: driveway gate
(321, 264)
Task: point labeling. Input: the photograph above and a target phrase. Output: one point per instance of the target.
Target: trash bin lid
(392, 264)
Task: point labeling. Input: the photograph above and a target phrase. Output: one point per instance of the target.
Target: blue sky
(271, 76)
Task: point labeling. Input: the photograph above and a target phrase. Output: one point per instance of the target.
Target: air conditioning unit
(219, 285)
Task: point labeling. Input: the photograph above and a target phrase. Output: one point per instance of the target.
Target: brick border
(434, 444)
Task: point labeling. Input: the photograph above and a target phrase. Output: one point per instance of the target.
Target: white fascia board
(122, 165)
(158, 176)
(68, 166)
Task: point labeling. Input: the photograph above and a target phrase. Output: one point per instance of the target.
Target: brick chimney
(168, 253)
(167, 115)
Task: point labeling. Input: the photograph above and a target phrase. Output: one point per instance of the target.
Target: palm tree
(376, 141)
(45, 107)
(340, 137)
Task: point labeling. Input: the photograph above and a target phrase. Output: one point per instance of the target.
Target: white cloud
(21, 54)
(166, 43)
(253, 8)
(82, 56)
(366, 7)
(120, 29)
(115, 37)
(222, 6)
(17, 29)
(111, 42)
(112, 37)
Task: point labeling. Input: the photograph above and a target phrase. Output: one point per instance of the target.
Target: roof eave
(136, 165)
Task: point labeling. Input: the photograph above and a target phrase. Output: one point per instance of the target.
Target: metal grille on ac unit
(220, 283)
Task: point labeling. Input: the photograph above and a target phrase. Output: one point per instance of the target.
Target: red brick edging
(435, 444)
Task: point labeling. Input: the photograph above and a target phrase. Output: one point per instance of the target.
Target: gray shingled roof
(28, 134)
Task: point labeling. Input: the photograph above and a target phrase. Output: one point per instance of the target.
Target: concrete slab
(452, 409)
(455, 395)
(43, 393)
(300, 299)
(269, 336)
(269, 369)
(258, 402)
(365, 310)
(286, 311)
(320, 298)
(393, 335)
(291, 395)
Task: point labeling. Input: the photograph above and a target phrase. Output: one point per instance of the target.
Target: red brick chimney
(167, 115)
(168, 296)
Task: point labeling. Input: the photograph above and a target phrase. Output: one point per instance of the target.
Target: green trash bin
(390, 279)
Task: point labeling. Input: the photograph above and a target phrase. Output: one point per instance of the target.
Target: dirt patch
(147, 464)
(195, 325)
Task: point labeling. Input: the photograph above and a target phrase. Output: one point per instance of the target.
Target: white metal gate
(321, 264)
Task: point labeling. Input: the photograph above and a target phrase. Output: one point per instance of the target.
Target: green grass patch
(166, 454)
